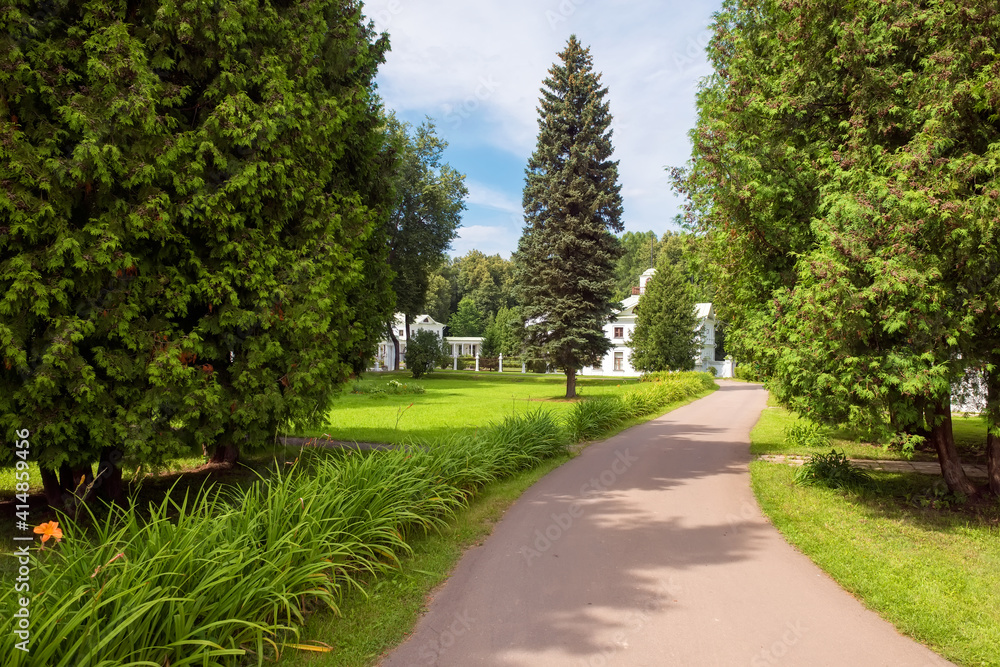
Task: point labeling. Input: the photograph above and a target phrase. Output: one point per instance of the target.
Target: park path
(649, 549)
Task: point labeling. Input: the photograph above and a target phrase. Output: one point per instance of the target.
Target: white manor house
(616, 362)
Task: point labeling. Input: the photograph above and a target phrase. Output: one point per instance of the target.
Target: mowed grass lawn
(452, 400)
(920, 558)
(769, 438)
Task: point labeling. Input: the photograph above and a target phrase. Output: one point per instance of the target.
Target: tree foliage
(193, 200)
(503, 335)
(845, 168)
(572, 204)
(426, 214)
(468, 320)
(643, 250)
(487, 279)
(665, 338)
(423, 352)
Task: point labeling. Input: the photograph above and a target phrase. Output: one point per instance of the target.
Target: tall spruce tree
(572, 203)
(192, 210)
(665, 338)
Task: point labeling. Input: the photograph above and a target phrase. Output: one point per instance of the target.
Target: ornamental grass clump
(222, 577)
(591, 418)
(472, 460)
(833, 470)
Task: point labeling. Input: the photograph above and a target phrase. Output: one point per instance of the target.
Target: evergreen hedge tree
(665, 338)
(193, 205)
(845, 169)
(566, 256)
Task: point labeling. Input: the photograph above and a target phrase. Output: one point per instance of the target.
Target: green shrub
(832, 470)
(423, 350)
(748, 373)
(906, 443)
(805, 433)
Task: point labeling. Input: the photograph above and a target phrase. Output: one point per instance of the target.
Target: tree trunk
(76, 480)
(226, 453)
(993, 430)
(109, 477)
(53, 489)
(944, 442)
(570, 383)
(395, 347)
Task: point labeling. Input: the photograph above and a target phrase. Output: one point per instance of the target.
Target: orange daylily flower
(47, 530)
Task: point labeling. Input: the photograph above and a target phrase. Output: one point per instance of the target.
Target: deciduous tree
(429, 200)
(468, 320)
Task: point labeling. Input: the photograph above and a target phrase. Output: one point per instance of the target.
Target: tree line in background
(845, 172)
(475, 294)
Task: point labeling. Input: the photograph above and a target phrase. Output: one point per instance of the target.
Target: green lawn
(769, 438)
(453, 400)
(908, 551)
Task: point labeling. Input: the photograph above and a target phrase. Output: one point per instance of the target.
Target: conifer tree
(572, 203)
(665, 338)
(193, 199)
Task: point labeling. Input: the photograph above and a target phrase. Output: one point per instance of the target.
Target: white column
(477, 363)
(524, 367)
(500, 363)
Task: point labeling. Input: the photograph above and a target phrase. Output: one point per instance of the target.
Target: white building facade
(467, 346)
(618, 362)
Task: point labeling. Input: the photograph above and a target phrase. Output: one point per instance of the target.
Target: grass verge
(925, 563)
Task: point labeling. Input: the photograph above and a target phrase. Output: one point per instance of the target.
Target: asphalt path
(649, 549)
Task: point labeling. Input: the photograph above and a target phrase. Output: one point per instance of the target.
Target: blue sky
(476, 67)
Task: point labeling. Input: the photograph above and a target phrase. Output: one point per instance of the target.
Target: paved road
(649, 549)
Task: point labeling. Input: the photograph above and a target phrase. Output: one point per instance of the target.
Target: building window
(619, 361)
(402, 333)
(619, 332)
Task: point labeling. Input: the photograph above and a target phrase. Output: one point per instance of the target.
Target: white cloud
(477, 67)
(488, 240)
(484, 195)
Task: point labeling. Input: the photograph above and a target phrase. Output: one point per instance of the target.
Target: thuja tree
(565, 261)
(665, 336)
(192, 209)
(878, 288)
